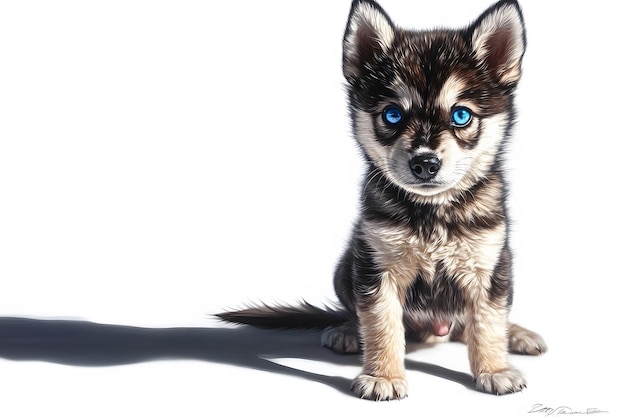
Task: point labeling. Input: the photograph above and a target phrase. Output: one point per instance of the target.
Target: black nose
(425, 166)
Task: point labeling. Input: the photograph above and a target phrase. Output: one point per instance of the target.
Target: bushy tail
(301, 316)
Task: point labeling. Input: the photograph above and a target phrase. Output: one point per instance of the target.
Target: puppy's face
(430, 109)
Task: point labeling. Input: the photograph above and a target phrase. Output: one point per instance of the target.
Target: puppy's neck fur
(456, 212)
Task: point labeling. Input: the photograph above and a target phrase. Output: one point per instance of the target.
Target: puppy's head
(431, 108)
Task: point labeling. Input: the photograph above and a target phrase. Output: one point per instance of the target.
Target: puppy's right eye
(392, 115)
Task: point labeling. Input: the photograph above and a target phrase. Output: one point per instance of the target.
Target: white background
(162, 161)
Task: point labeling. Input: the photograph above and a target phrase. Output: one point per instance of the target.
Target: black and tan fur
(429, 255)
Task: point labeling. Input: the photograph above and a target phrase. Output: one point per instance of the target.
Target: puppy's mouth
(429, 184)
(426, 188)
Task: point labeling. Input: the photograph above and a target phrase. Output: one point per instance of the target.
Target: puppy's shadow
(81, 343)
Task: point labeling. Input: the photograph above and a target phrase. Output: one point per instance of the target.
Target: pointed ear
(499, 40)
(369, 33)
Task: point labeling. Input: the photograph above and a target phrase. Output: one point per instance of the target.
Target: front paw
(506, 381)
(379, 388)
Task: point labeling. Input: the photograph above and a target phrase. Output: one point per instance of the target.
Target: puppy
(429, 256)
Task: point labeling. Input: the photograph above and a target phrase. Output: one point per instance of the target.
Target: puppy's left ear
(498, 39)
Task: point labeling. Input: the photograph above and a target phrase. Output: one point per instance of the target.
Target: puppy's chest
(405, 254)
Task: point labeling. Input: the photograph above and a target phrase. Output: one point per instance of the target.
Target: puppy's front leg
(382, 332)
(487, 342)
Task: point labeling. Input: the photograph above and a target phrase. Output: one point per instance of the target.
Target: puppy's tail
(301, 316)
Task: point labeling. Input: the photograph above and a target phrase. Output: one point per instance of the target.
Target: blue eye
(392, 115)
(461, 117)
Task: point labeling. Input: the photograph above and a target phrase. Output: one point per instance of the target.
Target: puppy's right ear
(369, 34)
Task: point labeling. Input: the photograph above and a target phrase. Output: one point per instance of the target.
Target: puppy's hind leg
(524, 341)
(342, 339)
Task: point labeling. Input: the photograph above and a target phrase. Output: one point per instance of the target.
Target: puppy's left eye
(461, 116)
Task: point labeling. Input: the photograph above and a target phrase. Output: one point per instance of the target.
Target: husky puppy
(429, 256)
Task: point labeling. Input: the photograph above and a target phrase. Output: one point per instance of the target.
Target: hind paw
(379, 388)
(525, 342)
(341, 339)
